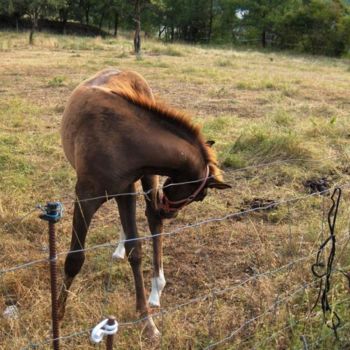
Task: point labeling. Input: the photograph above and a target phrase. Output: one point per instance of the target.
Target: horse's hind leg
(150, 186)
(83, 213)
(133, 247)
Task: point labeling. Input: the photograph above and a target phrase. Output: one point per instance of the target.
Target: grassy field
(260, 108)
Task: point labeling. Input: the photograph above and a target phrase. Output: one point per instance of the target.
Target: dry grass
(259, 108)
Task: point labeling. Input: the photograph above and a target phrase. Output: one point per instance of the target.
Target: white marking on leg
(158, 284)
(119, 253)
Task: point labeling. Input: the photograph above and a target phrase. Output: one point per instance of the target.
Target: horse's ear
(219, 185)
(210, 143)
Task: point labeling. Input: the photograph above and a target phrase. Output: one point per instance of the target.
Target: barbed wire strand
(179, 229)
(146, 193)
(138, 321)
(192, 301)
(138, 193)
(21, 218)
(202, 298)
(211, 220)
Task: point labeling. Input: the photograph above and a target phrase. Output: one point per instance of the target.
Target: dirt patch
(259, 204)
(321, 185)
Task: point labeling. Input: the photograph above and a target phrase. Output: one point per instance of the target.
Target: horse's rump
(96, 97)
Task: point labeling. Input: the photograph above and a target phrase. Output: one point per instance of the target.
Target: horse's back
(117, 80)
(95, 94)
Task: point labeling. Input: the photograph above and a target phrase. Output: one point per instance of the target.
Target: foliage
(313, 26)
(317, 26)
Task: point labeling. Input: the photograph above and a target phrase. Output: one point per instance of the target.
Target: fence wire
(228, 174)
(180, 229)
(216, 292)
(213, 293)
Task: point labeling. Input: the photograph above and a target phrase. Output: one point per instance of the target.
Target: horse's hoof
(151, 331)
(152, 335)
(155, 335)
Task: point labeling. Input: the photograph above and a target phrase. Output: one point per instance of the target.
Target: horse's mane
(178, 118)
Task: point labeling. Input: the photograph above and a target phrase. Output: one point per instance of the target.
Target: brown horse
(113, 134)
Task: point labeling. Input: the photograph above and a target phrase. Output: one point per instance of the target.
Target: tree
(38, 8)
(259, 17)
(119, 12)
(14, 8)
(65, 9)
(190, 20)
(137, 19)
(318, 27)
(140, 6)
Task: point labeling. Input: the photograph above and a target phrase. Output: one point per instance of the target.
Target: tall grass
(288, 115)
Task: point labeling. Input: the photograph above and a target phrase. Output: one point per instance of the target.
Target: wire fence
(230, 175)
(215, 294)
(179, 230)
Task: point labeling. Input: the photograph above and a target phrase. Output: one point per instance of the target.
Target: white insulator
(103, 329)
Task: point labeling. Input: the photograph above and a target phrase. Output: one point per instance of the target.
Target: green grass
(289, 114)
(56, 81)
(261, 146)
(166, 50)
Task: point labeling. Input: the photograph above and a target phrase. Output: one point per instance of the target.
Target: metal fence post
(52, 213)
(110, 337)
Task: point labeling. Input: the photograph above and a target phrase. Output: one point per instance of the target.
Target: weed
(57, 81)
(224, 63)
(167, 50)
(123, 54)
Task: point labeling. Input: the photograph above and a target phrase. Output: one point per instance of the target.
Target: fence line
(181, 228)
(146, 193)
(213, 292)
(174, 309)
(202, 298)
(179, 306)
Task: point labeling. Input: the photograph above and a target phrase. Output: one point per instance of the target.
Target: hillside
(281, 125)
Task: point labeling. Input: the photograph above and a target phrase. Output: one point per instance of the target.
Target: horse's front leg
(150, 186)
(83, 213)
(158, 280)
(119, 252)
(133, 247)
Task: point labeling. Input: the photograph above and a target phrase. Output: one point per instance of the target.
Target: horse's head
(177, 195)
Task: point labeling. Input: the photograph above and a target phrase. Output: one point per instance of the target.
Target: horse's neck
(175, 156)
